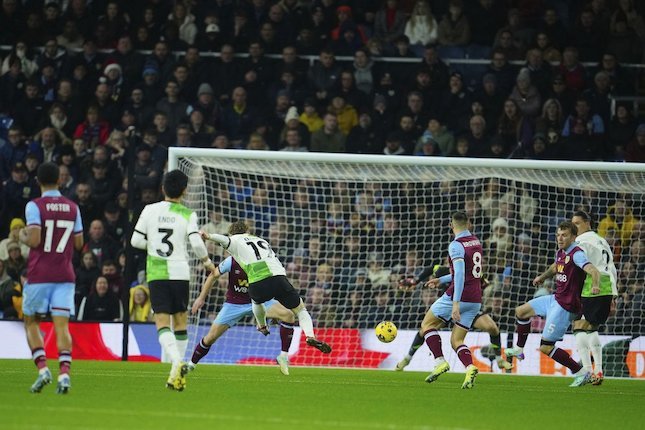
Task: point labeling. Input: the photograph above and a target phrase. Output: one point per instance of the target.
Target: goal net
(347, 228)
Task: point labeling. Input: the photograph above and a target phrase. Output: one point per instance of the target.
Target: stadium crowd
(91, 85)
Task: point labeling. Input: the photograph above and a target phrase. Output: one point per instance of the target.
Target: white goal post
(347, 227)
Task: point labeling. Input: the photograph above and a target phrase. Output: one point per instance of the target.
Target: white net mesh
(348, 230)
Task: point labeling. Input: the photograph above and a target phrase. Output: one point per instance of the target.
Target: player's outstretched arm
(548, 273)
(206, 288)
(224, 241)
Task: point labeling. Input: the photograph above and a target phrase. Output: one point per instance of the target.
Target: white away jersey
(255, 256)
(166, 226)
(599, 254)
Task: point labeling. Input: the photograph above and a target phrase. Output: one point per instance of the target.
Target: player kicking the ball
(460, 303)
(570, 269)
(482, 321)
(236, 307)
(267, 278)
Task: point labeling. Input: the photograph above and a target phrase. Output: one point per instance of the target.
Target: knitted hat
(292, 113)
(112, 66)
(204, 89)
(16, 223)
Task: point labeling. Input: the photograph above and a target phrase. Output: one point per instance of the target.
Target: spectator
(456, 104)
(620, 217)
(636, 148)
(322, 76)
(10, 295)
(439, 134)
(86, 273)
(393, 145)
(17, 191)
(12, 82)
(238, 118)
(101, 304)
(363, 139)
(14, 229)
(526, 95)
(185, 22)
(502, 71)
(140, 306)
(329, 138)
(389, 24)
(478, 141)
(421, 28)
(584, 131)
(30, 110)
(85, 201)
(621, 131)
(111, 272)
(572, 70)
(99, 243)
(175, 109)
(346, 115)
(587, 36)
(549, 52)
(93, 131)
(438, 70)
(15, 263)
(12, 152)
(626, 33)
(454, 30)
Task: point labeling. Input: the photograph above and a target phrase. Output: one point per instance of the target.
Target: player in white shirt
(596, 303)
(267, 278)
(162, 230)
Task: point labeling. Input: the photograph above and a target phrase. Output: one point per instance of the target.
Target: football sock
(169, 344)
(64, 361)
(260, 314)
(306, 324)
(596, 349)
(416, 344)
(523, 328)
(433, 340)
(464, 355)
(40, 360)
(200, 351)
(496, 343)
(562, 357)
(582, 345)
(181, 337)
(286, 334)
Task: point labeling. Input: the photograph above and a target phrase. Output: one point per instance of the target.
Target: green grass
(116, 395)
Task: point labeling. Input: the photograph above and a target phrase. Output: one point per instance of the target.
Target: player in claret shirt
(54, 229)
(460, 303)
(236, 307)
(570, 270)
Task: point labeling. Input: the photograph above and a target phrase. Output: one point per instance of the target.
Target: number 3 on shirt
(477, 265)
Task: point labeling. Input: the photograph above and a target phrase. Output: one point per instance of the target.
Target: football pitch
(117, 395)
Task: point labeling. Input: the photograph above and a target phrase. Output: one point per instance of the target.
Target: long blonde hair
(140, 313)
(428, 15)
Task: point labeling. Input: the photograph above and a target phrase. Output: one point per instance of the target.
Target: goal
(347, 228)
